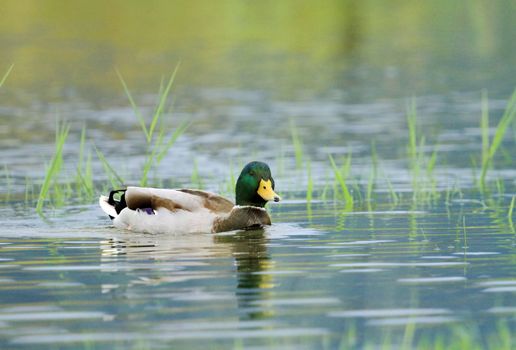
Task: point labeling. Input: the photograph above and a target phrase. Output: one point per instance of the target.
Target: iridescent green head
(255, 185)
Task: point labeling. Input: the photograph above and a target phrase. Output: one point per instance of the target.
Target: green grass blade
(160, 90)
(348, 198)
(141, 120)
(159, 148)
(232, 179)
(370, 185)
(394, 197)
(81, 149)
(298, 145)
(484, 127)
(162, 102)
(150, 159)
(195, 178)
(432, 161)
(412, 148)
(112, 174)
(84, 177)
(79, 181)
(511, 208)
(373, 175)
(180, 130)
(310, 184)
(509, 213)
(88, 177)
(504, 123)
(430, 168)
(4, 78)
(346, 167)
(54, 167)
(411, 122)
(229, 185)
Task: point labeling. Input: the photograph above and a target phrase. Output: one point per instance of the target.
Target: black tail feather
(118, 204)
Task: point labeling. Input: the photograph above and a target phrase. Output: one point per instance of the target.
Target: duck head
(255, 185)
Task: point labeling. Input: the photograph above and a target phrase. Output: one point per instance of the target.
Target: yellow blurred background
(63, 48)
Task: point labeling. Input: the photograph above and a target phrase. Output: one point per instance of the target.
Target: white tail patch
(106, 207)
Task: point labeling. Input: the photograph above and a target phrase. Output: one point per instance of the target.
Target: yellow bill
(266, 192)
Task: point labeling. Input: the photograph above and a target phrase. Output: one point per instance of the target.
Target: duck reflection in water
(144, 259)
(252, 260)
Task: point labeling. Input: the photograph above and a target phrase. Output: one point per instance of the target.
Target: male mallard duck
(154, 210)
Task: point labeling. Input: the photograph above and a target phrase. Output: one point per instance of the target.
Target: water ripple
(169, 335)
(397, 264)
(445, 279)
(404, 321)
(367, 313)
(54, 316)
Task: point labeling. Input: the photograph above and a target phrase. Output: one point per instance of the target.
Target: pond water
(424, 259)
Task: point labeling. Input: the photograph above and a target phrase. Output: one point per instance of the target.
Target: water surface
(323, 284)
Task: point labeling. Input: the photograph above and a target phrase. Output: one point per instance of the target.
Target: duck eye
(251, 173)
(264, 187)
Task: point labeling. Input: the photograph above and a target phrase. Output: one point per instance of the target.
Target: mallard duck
(154, 210)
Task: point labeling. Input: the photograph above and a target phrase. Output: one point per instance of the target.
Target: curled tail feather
(110, 205)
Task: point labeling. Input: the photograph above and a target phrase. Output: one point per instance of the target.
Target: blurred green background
(365, 48)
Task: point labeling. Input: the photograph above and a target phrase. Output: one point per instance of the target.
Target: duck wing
(211, 201)
(174, 200)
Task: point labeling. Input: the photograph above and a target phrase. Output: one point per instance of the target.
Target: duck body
(177, 211)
